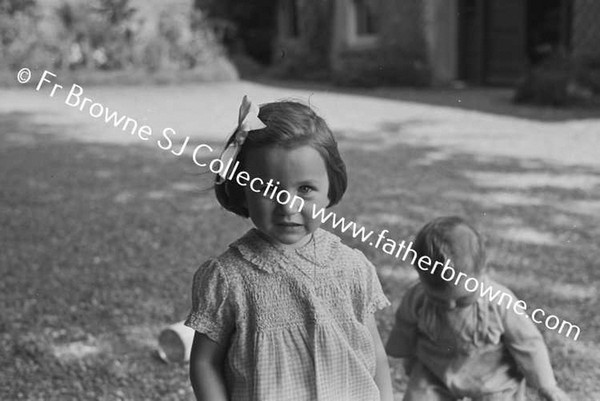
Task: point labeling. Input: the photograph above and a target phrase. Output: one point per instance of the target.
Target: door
(492, 41)
(506, 44)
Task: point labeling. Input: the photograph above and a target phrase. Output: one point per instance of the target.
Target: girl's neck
(300, 244)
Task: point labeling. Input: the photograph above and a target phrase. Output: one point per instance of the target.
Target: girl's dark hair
(288, 125)
(450, 238)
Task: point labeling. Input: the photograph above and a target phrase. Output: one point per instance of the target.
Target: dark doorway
(492, 41)
(548, 28)
(471, 40)
(500, 39)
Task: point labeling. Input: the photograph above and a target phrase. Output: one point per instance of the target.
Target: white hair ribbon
(247, 121)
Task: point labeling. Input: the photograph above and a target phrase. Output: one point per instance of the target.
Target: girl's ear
(244, 202)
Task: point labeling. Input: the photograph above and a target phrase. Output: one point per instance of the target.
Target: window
(363, 23)
(365, 18)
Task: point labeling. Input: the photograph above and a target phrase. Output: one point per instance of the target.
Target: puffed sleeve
(375, 298)
(526, 344)
(402, 341)
(212, 313)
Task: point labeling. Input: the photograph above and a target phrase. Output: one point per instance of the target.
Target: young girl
(286, 313)
(460, 344)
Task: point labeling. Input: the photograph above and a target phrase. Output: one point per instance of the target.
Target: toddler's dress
(293, 319)
(480, 351)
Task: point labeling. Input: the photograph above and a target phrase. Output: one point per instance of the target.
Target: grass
(99, 243)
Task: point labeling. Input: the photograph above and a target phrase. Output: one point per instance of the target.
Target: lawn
(98, 244)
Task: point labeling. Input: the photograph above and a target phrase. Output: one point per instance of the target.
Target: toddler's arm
(527, 346)
(206, 369)
(402, 341)
(554, 394)
(382, 373)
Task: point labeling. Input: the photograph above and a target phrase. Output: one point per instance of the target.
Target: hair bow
(247, 121)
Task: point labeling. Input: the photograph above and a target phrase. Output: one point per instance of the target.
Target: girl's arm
(382, 372)
(207, 360)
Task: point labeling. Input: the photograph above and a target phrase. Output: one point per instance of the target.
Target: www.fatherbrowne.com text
(398, 249)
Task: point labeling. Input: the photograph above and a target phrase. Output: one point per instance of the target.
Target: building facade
(423, 42)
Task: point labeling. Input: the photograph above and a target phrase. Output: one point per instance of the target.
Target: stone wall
(308, 55)
(399, 55)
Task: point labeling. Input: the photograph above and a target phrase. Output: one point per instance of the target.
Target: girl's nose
(288, 208)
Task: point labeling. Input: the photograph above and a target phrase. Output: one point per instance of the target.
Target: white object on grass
(175, 343)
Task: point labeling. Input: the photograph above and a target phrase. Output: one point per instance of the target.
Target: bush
(110, 35)
(12, 7)
(18, 33)
(559, 80)
(175, 46)
(588, 72)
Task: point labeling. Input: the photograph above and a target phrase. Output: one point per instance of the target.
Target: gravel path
(208, 112)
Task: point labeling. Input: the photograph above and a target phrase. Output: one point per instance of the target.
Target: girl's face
(300, 171)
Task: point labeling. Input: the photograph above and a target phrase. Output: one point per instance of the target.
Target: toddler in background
(457, 343)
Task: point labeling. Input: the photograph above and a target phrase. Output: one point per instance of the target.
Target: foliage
(12, 7)
(117, 12)
(177, 45)
(588, 72)
(254, 24)
(108, 35)
(560, 80)
(18, 31)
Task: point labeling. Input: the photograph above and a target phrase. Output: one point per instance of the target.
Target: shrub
(12, 7)
(588, 72)
(110, 35)
(559, 80)
(18, 32)
(175, 46)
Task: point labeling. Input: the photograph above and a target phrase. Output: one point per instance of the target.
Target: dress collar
(268, 256)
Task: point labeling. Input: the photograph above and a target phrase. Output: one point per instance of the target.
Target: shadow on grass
(540, 239)
(99, 243)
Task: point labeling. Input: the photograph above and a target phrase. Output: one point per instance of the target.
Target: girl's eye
(305, 189)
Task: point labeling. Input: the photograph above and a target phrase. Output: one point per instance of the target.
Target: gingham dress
(293, 319)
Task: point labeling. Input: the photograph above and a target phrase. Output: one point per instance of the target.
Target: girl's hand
(554, 394)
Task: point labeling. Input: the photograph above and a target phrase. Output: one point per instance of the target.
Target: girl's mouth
(283, 224)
